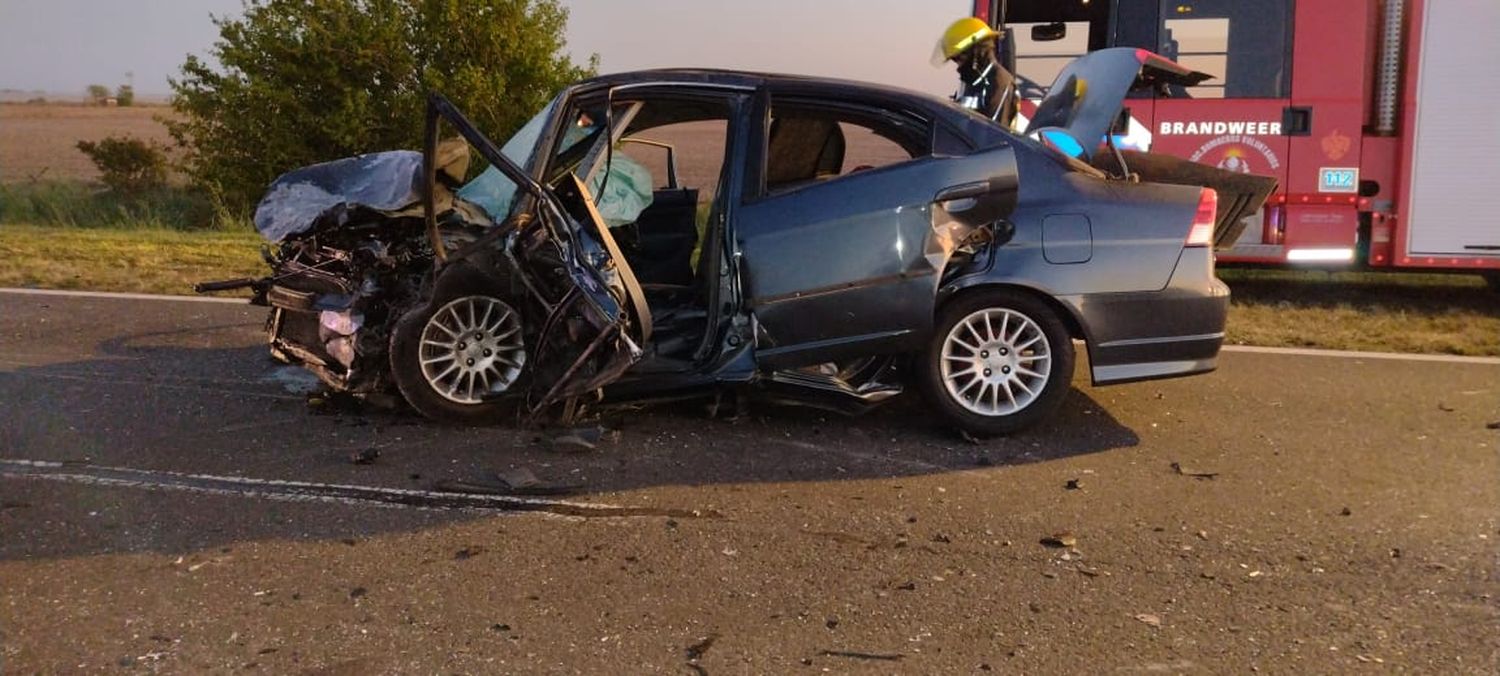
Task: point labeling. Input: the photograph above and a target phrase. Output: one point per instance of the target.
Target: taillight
(1202, 233)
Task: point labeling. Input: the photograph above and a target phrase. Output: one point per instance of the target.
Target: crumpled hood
(1088, 95)
(387, 182)
(300, 199)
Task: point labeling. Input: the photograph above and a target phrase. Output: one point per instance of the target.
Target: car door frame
(739, 99)
(583, 248)
(842, 309)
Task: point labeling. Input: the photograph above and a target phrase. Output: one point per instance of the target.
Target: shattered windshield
(491, 190)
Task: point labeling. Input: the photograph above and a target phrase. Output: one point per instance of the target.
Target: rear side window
(810, 143)
(1247, 45)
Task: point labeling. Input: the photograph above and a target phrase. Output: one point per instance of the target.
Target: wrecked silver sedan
(661, 234)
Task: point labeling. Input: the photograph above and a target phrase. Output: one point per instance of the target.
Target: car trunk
(1240, 195)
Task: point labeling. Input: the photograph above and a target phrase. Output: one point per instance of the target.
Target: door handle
(964, 191)
(1296, 121)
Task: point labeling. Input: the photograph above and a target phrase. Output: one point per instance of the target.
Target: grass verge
(76, 204)
(1382, 311)
(141, 260)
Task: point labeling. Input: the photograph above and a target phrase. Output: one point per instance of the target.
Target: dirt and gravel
(1286, 514)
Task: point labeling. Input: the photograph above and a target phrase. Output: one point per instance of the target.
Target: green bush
(127, 165)
(291, 83)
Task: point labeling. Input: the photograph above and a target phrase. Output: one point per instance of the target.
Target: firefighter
(985, 85)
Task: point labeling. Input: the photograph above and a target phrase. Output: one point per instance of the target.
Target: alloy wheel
(996, 362)
(472, 349)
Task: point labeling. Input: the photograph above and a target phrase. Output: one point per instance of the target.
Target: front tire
(999, 361)
(455, 357)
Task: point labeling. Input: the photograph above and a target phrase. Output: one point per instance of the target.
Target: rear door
(852, 218)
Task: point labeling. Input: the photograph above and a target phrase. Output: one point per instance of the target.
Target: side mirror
(1049, 32)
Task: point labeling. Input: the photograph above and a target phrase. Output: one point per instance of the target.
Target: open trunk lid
(1085, 102)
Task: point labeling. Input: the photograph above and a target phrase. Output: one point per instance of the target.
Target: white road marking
(1349, 354)
(110, 295)
(297, 491)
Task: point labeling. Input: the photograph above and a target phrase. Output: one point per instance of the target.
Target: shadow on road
(148, 402)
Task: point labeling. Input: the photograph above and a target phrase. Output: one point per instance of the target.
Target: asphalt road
(167, 504)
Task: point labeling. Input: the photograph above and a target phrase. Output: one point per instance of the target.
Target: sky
(62, 46)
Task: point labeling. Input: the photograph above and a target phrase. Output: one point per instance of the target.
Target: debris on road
(293, 380)
(1149, 619)
(882, 657)
(1493, 426)
(1196, 474)
(323, 402)
(1073, 485)
(364, 456)
(1061, 540)
(519, 481)
(1445, 408)
(1346, 512)
(696, 650)
(580, 439)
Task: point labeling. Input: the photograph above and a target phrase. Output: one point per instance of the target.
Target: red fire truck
(1380, 118)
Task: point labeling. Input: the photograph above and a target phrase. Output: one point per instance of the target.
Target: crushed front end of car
(348, 251)
(384, 278)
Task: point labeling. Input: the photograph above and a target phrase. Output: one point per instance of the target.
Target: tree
(125, 95)
(97, 94)
(302, 82)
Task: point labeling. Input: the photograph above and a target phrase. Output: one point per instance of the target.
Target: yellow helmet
(959, 37)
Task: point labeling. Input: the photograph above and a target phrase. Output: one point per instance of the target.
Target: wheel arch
(1065, 312)
(463, 275)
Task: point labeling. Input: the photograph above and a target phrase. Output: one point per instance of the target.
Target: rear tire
(456, 356)
(999, 361)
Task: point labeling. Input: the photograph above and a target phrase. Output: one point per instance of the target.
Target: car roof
(980, 131)
(832, 87)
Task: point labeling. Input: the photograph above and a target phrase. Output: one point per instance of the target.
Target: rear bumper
(1170, 333)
